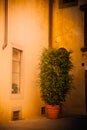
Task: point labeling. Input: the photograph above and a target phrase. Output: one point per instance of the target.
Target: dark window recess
(85, 29)
(42, 110)
(16, 115)
(67, 1)
(86, 88)
(84, 9)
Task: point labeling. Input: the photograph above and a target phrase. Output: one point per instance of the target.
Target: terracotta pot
(52, 111)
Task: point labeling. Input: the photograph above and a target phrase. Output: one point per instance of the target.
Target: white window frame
(16, 70)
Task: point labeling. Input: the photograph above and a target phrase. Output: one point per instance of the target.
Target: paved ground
(63, 123)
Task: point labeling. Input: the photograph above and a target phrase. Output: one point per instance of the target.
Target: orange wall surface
(68, 32)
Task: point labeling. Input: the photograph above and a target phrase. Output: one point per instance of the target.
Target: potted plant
(14, 88)
(55, 78)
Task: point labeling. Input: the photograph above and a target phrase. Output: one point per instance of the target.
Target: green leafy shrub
(55, 79)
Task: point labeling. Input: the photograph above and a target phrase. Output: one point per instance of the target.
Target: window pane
(16, 67)
(15, 78)
(16, 55)
(16, 70)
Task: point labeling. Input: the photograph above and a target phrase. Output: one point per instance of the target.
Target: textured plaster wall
(27, 30)
(68, 32)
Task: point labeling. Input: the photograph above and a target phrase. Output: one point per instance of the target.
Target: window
(16, 70)
(16, 115)
(67, 3)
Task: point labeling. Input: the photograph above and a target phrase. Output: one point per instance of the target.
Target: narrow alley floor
(63, 123)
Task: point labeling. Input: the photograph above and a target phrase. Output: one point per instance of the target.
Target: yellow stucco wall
(68, 32)
(27, 30)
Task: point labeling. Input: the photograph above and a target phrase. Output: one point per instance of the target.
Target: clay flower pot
(52, 111)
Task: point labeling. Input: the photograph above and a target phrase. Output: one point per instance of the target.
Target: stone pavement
(63, 123)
